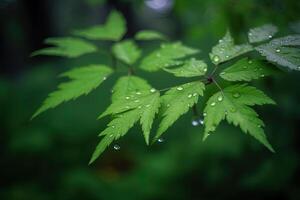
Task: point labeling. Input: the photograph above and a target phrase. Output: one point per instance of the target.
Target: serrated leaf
(149, 35)
(126, 51)
(262, 33)
(283, 51)
(66, 47)
(246, 70)
(83, 80)
(166, 56)
(226, 49)
(117, 128)
(233, 105)
(178, 101)
(190, 68)
(113, 29)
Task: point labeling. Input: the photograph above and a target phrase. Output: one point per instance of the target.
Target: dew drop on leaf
(204, 114)
(152, 90)
(216, 58)
(139, 107)
(213, 104)
(136, 101)
(113, 126)
(245, 67)
(190, 95)
(262, 75)
(104, 78)
(117, 147)
(220, 98)
(148, 105)
(278, 50)
(250, 61)
(179, 88)
(195, 94)
(127, 98)
(138, 93)
(222, 73)
(201, 121)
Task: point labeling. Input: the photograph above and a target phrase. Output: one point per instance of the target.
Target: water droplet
(278, 50)
(138, 93)
(139, 107)
(213, 104)
(262, 75)
(236, 95)
(222, 73)
(245, 67)
(220, 98)
(160, 140)
(152, 90)
(111, 135)
(179, 88)
(113, 126)
(201, 121)
(216, 59)
(220, 41)
(136, 101)
(127, 98)
(270, 36)
(117, 147)
(190, 95)
(204, 114)
(227, 56)
(250, 61)
(195, 123)
(205, 69)
(127, 107)
(259, 126)
(250, 34)
(104, 78)
(148, 105)
(195, 94)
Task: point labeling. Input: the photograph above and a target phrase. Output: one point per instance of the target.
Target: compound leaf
(149, 35)
(262, 33)
(226, 49)
(283, 51)
(166, 56)
(66, 47)
(246, 70)
(190, 68)
(113, 29)
(126, 51)
(177, 101)
(233, 105)
(83, 80)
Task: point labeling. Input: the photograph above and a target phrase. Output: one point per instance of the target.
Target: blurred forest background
(47, 158)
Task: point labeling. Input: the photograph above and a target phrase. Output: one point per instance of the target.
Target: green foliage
(262, 33)
(190, 68)
(178, 101)
(83, 81)
(113, 29)
(247, 70)
(226, 50)
(135, 100)
(283, 51)
(126, 51)
(66, 47)
(149, 35)
(166, 56)
(233, 105)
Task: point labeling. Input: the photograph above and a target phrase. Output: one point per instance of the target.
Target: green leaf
(190, 68)
(149, 35)
(262, 33)
(233, 105)
(127, 51)
(113, 29)
(66, 47)
(117, 128)
(226, 49)
(177, 101)
(166, 56)
(283, 51)
(138, 102)
(83, 81)
(246, 70)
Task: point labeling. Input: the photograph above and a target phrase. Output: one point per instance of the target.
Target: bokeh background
(47, 158)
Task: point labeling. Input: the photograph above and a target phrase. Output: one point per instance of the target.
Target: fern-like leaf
(283, 51)
(83, 81)
(262, 33)
(66, 47)
(178, 101)
(166, 56)
(113, 29)
(226, 49)
(127, 51)
(247, 70)
(233, 105)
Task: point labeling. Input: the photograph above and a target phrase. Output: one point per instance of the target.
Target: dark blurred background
(47, 158)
